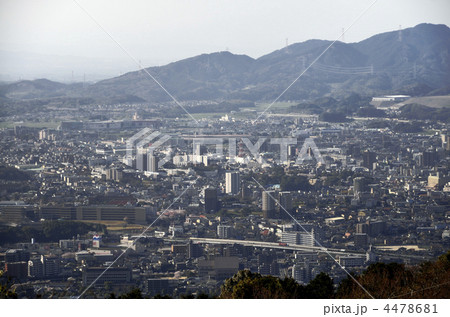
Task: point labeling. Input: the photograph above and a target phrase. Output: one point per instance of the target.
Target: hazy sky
(158, 32)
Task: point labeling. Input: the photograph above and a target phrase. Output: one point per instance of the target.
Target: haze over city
(62, 38)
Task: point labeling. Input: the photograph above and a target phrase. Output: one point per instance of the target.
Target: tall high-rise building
(430, 158)
(141, 161)
(211, 203)
(268, 204)
(43, 134)
(146, 162)
(232, 182)
(285, 199)
(285, 207)
(152, 163)
(369, 158)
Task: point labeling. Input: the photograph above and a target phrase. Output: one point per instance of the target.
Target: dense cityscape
(174, 207)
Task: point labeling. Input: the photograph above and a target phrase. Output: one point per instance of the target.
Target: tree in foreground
(393, 280)
(246, 284)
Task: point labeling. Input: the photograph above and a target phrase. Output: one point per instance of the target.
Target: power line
(420, 290)
(314, 61)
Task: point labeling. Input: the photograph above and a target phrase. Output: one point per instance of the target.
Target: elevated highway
(275, 245)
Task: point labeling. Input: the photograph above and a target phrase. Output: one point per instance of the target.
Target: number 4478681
(411, 308)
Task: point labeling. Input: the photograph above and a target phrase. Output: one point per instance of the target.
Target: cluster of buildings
(204, 214)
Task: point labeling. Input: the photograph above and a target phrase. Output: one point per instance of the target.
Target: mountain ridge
(383, 63)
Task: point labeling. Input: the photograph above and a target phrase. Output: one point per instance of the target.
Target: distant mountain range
(415, 61)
